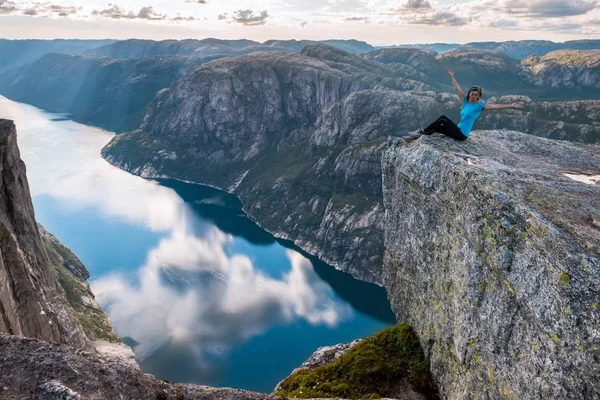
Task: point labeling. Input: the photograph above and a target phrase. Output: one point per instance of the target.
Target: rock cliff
(254, 125)
(565, 69)
(32, 302)
(492, 254)
(298, 138)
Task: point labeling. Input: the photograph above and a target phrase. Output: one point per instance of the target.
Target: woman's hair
(477, 89)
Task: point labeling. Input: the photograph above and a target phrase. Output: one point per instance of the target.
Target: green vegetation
(93, 320)
(564, 278)
(371, 369)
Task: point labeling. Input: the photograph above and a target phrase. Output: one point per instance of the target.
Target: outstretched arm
(459, 91)
(502, 106)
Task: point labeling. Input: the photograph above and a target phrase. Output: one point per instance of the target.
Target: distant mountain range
(19, 52)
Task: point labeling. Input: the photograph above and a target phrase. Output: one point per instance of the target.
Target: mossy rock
(374, 368)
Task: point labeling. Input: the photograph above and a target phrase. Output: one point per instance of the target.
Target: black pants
(444, 125)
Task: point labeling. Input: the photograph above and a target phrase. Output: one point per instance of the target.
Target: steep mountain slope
(101, 91)
(243, 124)
(18, 52)
(298, 138)
(492, 253)
(32, 302)
(565, 69)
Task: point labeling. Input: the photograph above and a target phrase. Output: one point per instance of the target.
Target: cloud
(537, 8)
(303, 24)
(196, 1)
(417, 5)
(117, 12)
(365, 19)
(7, 7)
(37, 9)
(222, 17)
(193, 292)
(145, 13)
(438, 18)
(248, 18)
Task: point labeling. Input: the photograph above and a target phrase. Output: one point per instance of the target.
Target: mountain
(97, 90)
(49, 318)
(32, 302)
(136, 48)
(18, 52)
(491, 253)
(571, 70)
(298, 137)
(245, 124)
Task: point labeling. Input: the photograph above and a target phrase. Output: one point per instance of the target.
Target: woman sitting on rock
(472, 107)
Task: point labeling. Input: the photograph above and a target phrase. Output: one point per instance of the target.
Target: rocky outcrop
(72, 276)
(298, 138)
(293, 135)
(520, 49)
(33, 369)
(565, 69)
(97, 90)
(492, 255)
(32, 302)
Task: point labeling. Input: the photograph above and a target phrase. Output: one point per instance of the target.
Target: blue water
(199, 292)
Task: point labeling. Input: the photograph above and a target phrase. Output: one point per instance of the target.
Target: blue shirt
(469, 114)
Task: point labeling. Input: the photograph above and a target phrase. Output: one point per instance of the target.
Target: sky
(378, 22)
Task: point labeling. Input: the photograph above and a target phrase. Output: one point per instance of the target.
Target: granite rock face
(295, 136)
(298, 137)
(493, 256)
(32, 302)
(32, 368)
(565, 69)
(258, 126)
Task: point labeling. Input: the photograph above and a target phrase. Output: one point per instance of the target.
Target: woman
(472, 107)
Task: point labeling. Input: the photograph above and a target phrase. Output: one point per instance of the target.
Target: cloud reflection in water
(194, 299)
(192, 294)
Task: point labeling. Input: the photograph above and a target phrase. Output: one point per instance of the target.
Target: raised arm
(502, 106)
(459, 91)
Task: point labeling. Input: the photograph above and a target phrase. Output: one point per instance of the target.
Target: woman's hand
(517, 105)
(450, 72)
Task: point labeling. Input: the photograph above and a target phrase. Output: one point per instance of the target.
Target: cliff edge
(32, 302)
(493, 256)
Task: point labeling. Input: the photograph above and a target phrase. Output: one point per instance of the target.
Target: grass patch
(371, 369)
(92, 320)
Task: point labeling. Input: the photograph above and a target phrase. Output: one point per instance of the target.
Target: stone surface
(31, 369)
(565, 69)
(32, 302)
(493, 257)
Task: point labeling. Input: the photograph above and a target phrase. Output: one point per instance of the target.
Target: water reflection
(211, 296)
(191, 292)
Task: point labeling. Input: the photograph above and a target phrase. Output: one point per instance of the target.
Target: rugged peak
(325, 52)
(32, 302)
(492, 254)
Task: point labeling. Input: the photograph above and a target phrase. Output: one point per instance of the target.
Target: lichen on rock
(480, 236)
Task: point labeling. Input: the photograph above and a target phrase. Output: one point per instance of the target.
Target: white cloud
(190, 290)
(249, 18)
(38, 9)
